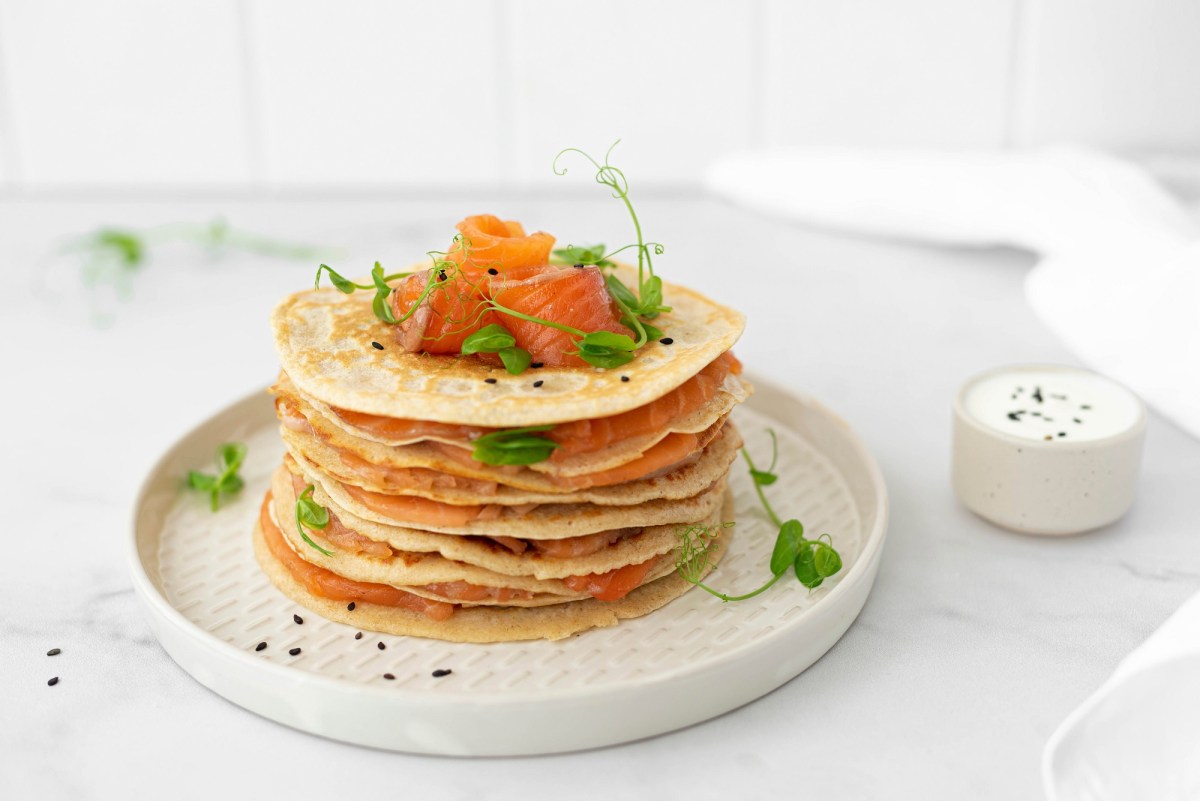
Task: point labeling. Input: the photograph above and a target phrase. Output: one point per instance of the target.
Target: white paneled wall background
(302, 94)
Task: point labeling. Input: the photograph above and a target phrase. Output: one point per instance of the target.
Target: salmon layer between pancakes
(435, 600)
(682, 480)
(633, 430)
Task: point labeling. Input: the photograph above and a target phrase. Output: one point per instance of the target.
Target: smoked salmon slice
(498, 244)
(587, 436)
(414, 509)
(452, 310)
(328, 584)
(574, 438)
(613, 585)
(394, 428)
(576, 297)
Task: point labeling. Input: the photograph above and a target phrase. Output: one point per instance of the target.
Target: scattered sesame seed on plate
(299, 620)
(52, 681)
(350, 606)
(260, 646)
(380, 646)
(437, 674)
(389, 676)
(294, 652)
(358, 636)
(54, 652)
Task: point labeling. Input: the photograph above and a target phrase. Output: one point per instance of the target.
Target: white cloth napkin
(1118, 281)
(1138, 736)
(1119, 276)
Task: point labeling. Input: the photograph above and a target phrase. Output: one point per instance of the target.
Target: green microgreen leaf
(129, 248)
(230, 456)
(606, 349)
(201, 481)
(787, 545)
(517, 446)
(489, 339)
(380, 305)
(516, 360)
(826, 560)
(806, 569)
(620, 292)
(580, 254)
(312, 515)
(340, 282)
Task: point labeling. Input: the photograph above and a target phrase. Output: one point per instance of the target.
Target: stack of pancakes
(425, 539)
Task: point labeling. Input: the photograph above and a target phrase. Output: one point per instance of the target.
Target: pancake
(324, 337)
(329, 426)
(684, 482)
(493, 563)
(546, 521)
(487, 624)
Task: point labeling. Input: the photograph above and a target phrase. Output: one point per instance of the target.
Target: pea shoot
(230, 456)
(812, 561)
(518, 446)
(311, 514)
(648, 302)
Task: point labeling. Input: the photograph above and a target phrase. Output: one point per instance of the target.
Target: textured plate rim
(863, 570)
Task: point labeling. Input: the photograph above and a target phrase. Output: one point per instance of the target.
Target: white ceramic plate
(209, 606)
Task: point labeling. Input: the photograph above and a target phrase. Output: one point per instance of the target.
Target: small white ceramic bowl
(1047, 449)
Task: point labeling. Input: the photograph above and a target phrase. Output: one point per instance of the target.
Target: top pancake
(324, 342)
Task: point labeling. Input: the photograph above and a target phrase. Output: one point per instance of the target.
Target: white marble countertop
(973, 646)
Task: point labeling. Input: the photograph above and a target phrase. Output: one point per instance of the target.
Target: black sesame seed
(625, 378)
(260, 646)
(489, 381)
(667, 341)
(1077, 420)
(1062, 433)
(493, 271)
(578, 266)
(376, 346)
(294, 651)
(1037, 395)
(538, 383)
(358, 636)
(437, 674)
(380, 646)
(54, 652)
(1085, 407)
(441, 275)
(299, 620)
(537, 365)
(53, 681)
(389, 677)
(350, 606)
